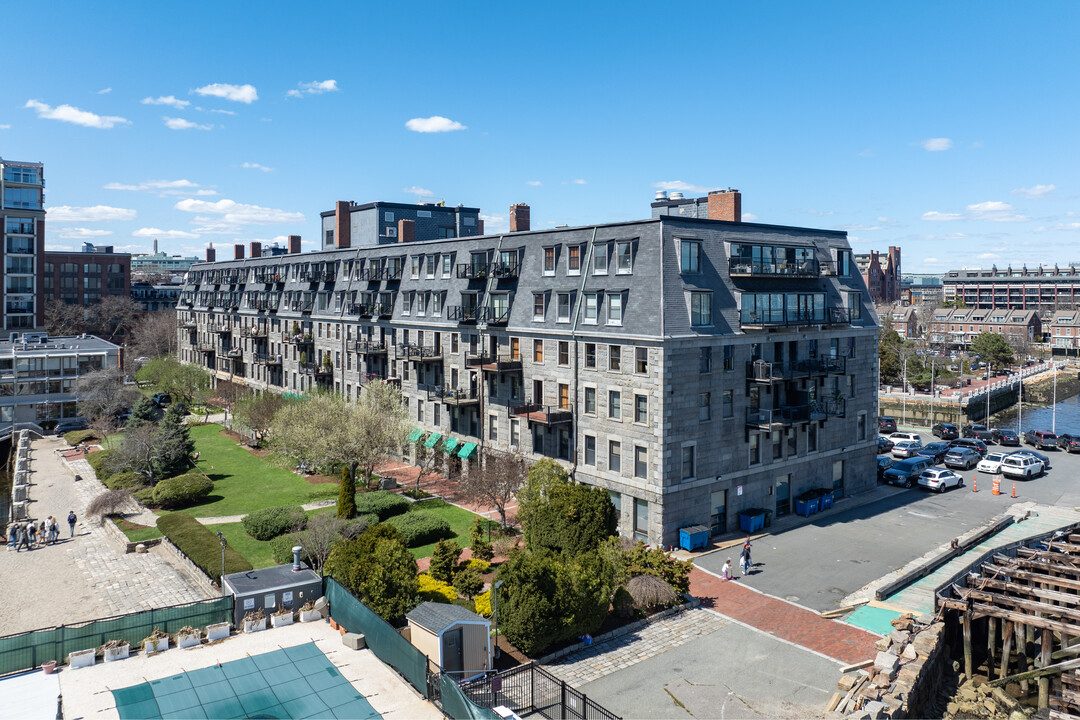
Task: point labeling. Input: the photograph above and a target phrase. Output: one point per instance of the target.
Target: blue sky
(949, 129)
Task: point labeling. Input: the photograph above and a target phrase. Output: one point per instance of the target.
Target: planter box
(310, 616)
(254, 625)
(281, 620)
(117, 653)
(186, 641)
(150, 646)
(82, 658)
(218, 631)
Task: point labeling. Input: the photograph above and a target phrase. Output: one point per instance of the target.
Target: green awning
(415, 435)
(450, 444)
(432, 440)
(467, 450)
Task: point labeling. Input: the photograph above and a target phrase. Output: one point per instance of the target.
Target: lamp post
(905, 390)
(495, 613)
(221, 539)
(1053, 415)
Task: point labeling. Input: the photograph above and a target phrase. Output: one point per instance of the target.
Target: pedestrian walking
(21, 539)
(744, 558)
(727, 569)
(43, 538)
(31, 532)
(11, 535)
(71, 523)
(54, 529)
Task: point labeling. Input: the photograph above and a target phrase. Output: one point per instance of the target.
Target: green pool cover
(295, 682)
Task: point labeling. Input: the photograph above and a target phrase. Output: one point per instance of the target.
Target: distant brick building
(905, 321)
(958, 327)
(883, 282)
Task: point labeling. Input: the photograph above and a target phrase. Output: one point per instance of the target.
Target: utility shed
(269, 588)
(458, 640)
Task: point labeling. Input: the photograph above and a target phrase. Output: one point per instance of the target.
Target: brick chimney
(211, 254)
(725, 205)
(480, 226)
(255, 249)
(519, 217)
(341, 224)
(406, 230)
(294, 245)
(238, 251)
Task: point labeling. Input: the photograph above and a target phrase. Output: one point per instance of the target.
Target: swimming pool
(295, 682)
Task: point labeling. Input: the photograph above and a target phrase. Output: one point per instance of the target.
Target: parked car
(1021, 466)
(884, 462)
(66, 426)
(907, 472)
(898, 436)
(945, 431)
(940, 480)
(991, 463)
(1042, 439)
(1037, 455)
(961, 457)
(161, 399)
(1005, 436)
(935, 451)
(906, 448)
(884, 444)
(1069, 442)
(886, 424)
(979, 432)
(977, 445)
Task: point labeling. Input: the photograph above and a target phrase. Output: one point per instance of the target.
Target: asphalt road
(818, 564)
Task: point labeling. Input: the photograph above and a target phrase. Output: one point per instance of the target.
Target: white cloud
(67, 113)
(164, 187)
(227, 216)
(220, 112)
(989, 256)
(182, 124)
(995, 211)
(1035, 191)
(935, 216)
(579, 181)
(749, 217)
(152, 232)
(78, 233)
(105, 91)
(495, 224)
(534, 183)
(317, 87)
(433, 124)
(931, 261)
(5, 127)
(860, 227)
(237, 93)
(169, 100)
(257, 166)
(680, 186)
(97, 213)
(935, 144)
(418, 191)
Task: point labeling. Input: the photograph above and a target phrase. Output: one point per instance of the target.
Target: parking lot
(818, 564)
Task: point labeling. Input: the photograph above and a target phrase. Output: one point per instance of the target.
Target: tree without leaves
(322, 533)
(110, 502)
(155, 334)
(495, 479)
(103, 393)
(255, 413)
(63, 318)
(113, 316)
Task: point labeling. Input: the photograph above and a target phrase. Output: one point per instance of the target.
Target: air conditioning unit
(391, 232)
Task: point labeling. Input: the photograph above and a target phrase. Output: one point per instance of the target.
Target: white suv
(898, 436)
(1021, 466)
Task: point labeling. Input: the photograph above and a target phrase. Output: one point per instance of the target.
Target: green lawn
(257, 552)
(137, 533)
(460, 523)
(244, 482)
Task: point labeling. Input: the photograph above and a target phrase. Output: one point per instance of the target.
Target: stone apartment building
(957, 327)
(693, 365)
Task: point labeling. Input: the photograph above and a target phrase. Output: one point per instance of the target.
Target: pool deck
(87, 691)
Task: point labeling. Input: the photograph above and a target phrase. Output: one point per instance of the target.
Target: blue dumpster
(693, 537)
(807, 504)
(826, 499)
(751, 520)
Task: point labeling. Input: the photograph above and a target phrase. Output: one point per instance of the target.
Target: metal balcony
(314, 276)
(769, 372)
(830, 407)
(543, 414)
(222, 329)
(738, 267)
(234, 353)
(366, 347)
(188, 325)
(204, 347)
(501, 363)
(266, 359)
(297, 338)
(307, 368)
(453, 396)
(255, 332)
(464, 314)
(419, 353)
(777, 417)
(762, 319)
(496, 315)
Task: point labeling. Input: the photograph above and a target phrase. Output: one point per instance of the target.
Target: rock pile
(976, 699)
(903, 679)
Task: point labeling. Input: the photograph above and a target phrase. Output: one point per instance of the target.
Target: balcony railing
(188, 325)
(463, 313)
(297, 338)
(206, 348)
(307, 368)
(543, 414)
(267, 359)
(500, 363)
(791, 318)
(221, 329)
(738, 267)
(768, 419)
(366, 347)
(835, 407)
(419, 353)
(315, 276)
(255, 331)
(453, 396)
(484, 270)
(835, 364)
(234, 353)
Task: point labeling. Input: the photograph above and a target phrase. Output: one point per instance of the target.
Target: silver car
(906, 448)
(961, 457)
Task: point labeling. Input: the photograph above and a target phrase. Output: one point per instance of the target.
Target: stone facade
(660, 359)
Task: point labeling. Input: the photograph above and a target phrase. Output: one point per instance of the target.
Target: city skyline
(944, 133)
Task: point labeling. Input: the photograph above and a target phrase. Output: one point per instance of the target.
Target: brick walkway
(619, 653)
(782, 619)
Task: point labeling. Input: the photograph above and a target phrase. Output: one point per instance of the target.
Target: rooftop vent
(675, 196)
(661, 196)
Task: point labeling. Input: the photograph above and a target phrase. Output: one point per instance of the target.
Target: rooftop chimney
(238, 251)
(294, 245)
(256, 249)
(297, 549)
(725, 205)
(211, 254)
(519, 217)
(341, 224)
(406, 230)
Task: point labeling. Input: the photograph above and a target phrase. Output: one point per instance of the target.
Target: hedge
(268, 523)
(383, 503)
(99, 460)
(420, 528)
(75, 437)
(435, 590)
(182, 490)
(282, 545)
(125, 480)
(200, 544)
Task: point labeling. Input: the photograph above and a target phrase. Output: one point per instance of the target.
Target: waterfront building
(1042, 288)
(957, 327)
(22, 217)
(693, 365)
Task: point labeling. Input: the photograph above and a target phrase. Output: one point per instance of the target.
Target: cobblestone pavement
(87, 576)
(619, 653)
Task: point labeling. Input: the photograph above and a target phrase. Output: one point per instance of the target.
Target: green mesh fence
(28, 650)
(384, 640)
(459, 707)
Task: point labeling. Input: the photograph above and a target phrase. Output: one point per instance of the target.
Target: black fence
(532, 689)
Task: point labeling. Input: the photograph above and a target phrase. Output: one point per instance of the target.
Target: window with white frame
(592, 304)
(641, 409)
(590, 450)
(573, 260)
(615, 358)
(590, 401)
(447, 265)
(549, 261)
(432, 263)
(614, 456)
(539, 301)
(614, 308)
(436, 303)
(421, 303)
(641, 462)
(641, 361)
(414, 270)
(406, 307)
(614, 405)
(700, 309)
(600, 258)
(563, 313)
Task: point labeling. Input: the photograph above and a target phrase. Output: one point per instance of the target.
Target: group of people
(30, 533)
(744, 562)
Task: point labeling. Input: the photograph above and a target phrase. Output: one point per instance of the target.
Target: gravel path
(84, 577)
(221, 519)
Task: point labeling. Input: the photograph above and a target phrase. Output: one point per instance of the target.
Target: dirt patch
(263, 453)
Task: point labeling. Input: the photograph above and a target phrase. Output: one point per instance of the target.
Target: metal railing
(771, 268)
(782, 317)
(500, 362)
(452, 396)
(266, 359)
(482, 271)
(546, 414)
(297, 338)
(419, 353)
(786, 415)
(528, 689)
(255, 331)
(365, 346)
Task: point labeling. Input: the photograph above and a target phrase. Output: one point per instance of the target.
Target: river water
(1067, 418)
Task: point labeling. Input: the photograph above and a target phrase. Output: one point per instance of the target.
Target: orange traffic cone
(1014, 488)
(975, 484)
